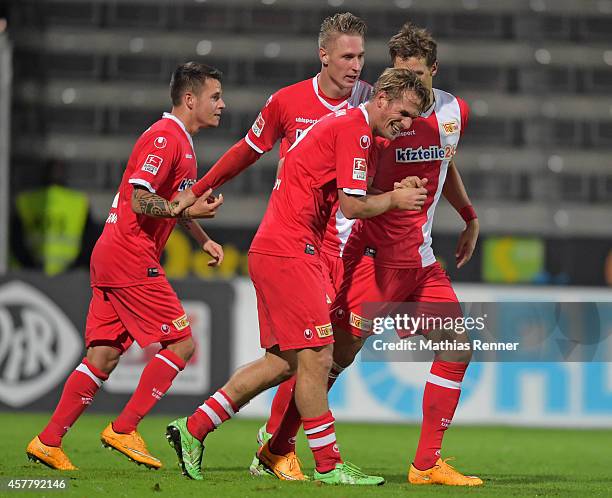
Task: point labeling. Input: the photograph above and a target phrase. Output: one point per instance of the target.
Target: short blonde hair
(340, 24)
(394, 82)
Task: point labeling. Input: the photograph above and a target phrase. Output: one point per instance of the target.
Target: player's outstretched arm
(368, 206)
(455, 193)
(208, 245)
(150, 204)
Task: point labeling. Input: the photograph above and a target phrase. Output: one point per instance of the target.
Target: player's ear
(323, 56)
(189, 100)
(434, 68)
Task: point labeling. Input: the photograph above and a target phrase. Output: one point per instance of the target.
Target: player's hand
(411, 182)
(408, 198)
(183, 200)
(467, 243)
(215, 251)
(205, 207)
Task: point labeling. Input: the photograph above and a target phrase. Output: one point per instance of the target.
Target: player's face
(397, 115)
(209, 104)
(344, 58)
(418, 65)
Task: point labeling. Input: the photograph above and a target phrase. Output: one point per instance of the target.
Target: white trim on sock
(322, 441)
(319, 428)
(211, 414)
(441, 381)
(85, 369)
(166, 360)
(225, 404)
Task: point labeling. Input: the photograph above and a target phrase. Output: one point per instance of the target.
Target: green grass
(512, 461)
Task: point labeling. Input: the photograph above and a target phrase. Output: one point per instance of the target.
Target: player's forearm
(366, 206)
(239, 157)
(454, 189)
(150, 204)
(195, 230)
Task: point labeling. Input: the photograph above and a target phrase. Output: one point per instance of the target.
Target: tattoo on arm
(151, 204)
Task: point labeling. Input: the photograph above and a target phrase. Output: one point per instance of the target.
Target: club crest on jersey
(185, 184)
(360, 322)
(152, 164)
(324, 330)
(258, 125)
(360, 169)
(364, 141)
(181, 322)
(160, 142)
(450, 127)
(421, 154)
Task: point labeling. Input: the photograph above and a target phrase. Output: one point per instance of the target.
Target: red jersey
(286, 115)
(331, 154)
(402, 239)
(128, 251)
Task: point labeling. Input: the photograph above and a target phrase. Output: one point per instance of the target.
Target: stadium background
(89, 76)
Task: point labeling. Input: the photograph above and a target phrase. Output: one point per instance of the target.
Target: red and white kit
(284, 259)
(286, 115)
(131, 297)
(389, 258)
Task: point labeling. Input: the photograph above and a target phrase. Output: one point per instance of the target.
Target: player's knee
(455, 356)
(104, 358)
(183, 349)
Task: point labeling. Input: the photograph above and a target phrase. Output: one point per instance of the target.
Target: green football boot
(256, 468)
(347, 473)
(188, 448)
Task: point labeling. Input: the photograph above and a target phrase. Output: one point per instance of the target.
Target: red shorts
(366, 282)
(146, 314)
(333, 270)
(291, 301)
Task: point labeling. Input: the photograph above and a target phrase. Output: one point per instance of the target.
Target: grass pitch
(512, 461)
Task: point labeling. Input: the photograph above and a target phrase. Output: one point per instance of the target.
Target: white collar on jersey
(167, 115)
(365, 113)
(334, 108)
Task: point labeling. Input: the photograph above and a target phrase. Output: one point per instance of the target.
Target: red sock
(440, 399)
(210, 415)
(322, 441)
(79, 390)
(154, 382)
(280, 404)
(283, 439)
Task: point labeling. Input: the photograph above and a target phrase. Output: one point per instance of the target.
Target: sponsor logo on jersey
(152, 164)
(450, 127)
(407, 133)
(258, 125)
(306, 120)
(364, 141)
(112, 218)
(360, 322)
(39, 344)
(360, 168)
(421, 154)
(324, 330)
(181, 322)
(186, 183)
(188, 156)
(308, 335)
(165, 328)
(160, 142)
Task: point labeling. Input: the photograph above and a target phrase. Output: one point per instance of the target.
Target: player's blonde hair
(394, 82)
(340, 24)
(412, 41)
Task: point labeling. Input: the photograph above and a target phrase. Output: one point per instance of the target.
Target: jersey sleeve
(155, 158)
(267, 128)
(352, 149)
(464, 109)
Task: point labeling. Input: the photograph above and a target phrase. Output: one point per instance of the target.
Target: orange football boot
(442, 473)
(51, 456)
